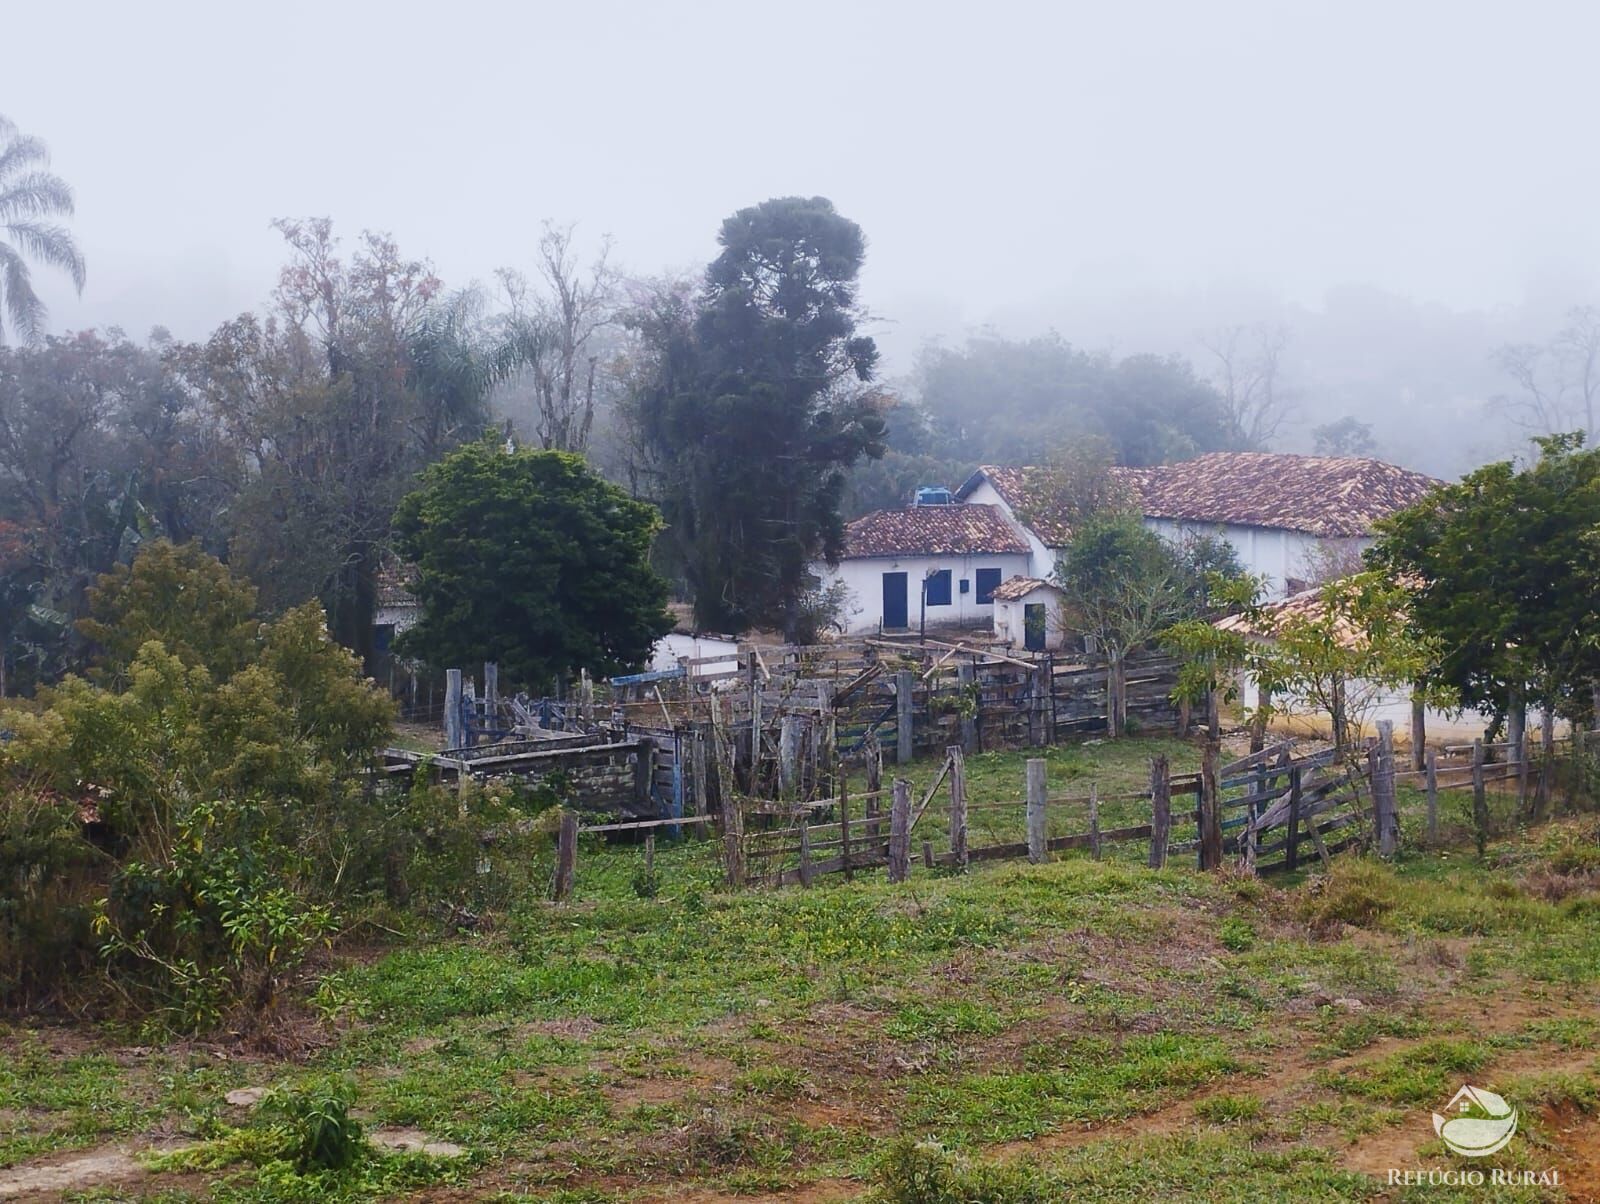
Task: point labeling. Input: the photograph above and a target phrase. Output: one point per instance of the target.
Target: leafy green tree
(224, 777)
(180, 597)
(1336, 655)
(364, 372)
(755, 404)
(1502, 566)
(29, 197)
(530, 559)
(1121, 583)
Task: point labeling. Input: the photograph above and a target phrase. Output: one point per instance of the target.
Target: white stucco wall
(1268, 552)
(1041, 560)
(401, 618)
(1373, 703)
(1010, 619)
(674, 644)
(863, 578)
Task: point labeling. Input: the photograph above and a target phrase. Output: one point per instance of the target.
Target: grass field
(1077, 1030)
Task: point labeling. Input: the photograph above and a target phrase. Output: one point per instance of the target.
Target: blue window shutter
(988, 582)
(939, 588)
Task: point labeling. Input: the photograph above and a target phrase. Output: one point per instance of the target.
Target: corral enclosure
(783, 722)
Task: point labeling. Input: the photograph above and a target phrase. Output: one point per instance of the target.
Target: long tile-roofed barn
(1330, 496)
(932, 531)
(1327, 496)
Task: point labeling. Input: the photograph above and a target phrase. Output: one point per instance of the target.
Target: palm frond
(21, 153)
(52, 245)
(21, 302)
(37, 194)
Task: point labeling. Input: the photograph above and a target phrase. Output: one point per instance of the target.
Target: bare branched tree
(556, 326)
(1558, 383)
(1249, 375)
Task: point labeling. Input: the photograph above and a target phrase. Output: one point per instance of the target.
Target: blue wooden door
(895, 600)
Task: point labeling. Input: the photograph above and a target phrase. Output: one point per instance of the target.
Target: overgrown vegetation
(180, 834)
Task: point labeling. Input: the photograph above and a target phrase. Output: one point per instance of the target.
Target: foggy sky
(1125, 172)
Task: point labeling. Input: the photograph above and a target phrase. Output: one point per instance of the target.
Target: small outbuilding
(1027, 614)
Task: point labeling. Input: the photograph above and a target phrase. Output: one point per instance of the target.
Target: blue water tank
(935, 495)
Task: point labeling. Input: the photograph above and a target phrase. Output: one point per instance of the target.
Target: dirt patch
(567, 1028)
(1577, 1140)
(415, 1141)
(106, 1166)
(823, 1191)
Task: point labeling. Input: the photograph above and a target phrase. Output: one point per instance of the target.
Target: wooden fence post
(1291, 850)
(788, 756)
(958, 808)
(1160, 812)
(1384, 806)
(1480, 800)
(1419, 733)
(698, 770)
(904, 684)
(1114, 712)
(900, 831)
(491, 685)
(1524, 754)
(805, 854)
(755, 722)
(874, 804)
(1094, 821)
(1432, 767)
(566, 856)
(967, 683)
(1039, 710)
(844, 826)
(650, 855)
(454, 737)
(732, 838)
(1037, 793)
(1210, 807)
(1579, 765)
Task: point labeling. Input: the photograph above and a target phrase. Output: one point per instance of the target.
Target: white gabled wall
(1269, 552)
(1041, 560)
(863, 578)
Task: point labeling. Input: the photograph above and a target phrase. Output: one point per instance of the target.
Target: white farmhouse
(937, 563)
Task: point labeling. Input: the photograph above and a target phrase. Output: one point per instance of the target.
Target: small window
(988, 582)
(937, 590)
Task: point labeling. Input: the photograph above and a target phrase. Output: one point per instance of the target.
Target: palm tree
(28, 194)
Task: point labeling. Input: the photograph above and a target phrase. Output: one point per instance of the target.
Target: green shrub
(924, 1172)
(317, 1131)
(1237, 934)
(1354, 891)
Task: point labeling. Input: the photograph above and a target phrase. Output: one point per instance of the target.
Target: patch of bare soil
(415, 1141)
(823, 1191)
(60, 1173)
(1576, 1136)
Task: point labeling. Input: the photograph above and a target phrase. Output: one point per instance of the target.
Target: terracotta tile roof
(932, 531)
(1014, 588)
(1320, 495)
(1307, 604)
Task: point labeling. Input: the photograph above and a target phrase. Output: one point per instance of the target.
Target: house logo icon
(1481, 1123)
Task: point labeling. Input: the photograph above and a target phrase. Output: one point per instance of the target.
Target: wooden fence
(783, 723)
(1267, 812)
